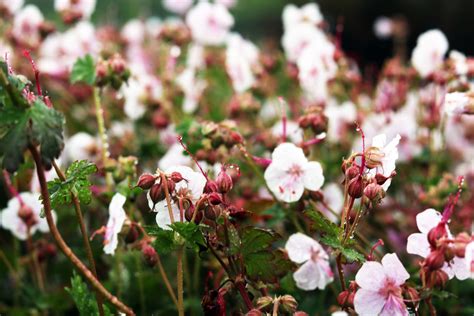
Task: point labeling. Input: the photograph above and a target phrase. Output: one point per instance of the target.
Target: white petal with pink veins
(418, 244)
(371, 276)
(367, 302)
(313, 176)
(427, 220)
(394, 268)
(299, 247)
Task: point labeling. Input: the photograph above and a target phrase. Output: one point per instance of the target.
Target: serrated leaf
(322, 224)
(350, 254)
(164, 242)
(77, 182)
(190, 232)
(83, 70)
(84, 299)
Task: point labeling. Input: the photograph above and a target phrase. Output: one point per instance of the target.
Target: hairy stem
(85, 238)
(340, 271)
(167, 282)
(62, 244)
(99, 113)
(179, 277)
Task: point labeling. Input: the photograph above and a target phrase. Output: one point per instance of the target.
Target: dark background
(261, 19)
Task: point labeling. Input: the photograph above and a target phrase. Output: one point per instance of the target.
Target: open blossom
(457, 103)
(192, 87)
(309, 13)
(177, 6)
(384, 156)
(82, 8)
(315, 271)
(290, 173)
(460, 62)
(298, 38)
(174, 156)
(429, 52)
(26, 25)
(12, 219)
(380, 292)
(241, 56)
(140, 88)
(293, 131)
(209, 23)
(192, 186)
(418, 244)
(81, 146)
(469, 258)
(11, 6)
(116, 220)
(133, 32)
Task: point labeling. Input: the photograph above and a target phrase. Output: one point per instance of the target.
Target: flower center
(295, 171)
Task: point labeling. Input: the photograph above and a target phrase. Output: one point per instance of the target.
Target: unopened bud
(189, 213)
(438, 278)
(342, 298)
(224, 182)
(436, 234)
(211, 186)
(149, 255)
(288, 303)
(176, 177)
(132, 235)
(156, 193)
(352, 172)
(146, 181)
(374, 192)
(435, 260)
(264, 302)
(214, 198)
(373, 157)
(356, 187)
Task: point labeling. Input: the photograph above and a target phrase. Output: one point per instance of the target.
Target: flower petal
(394, 268)
(427, 220)
(367, 302)
(418, 244)
(163, 218)
(307, 276)
(313, 176)
(300, 246)
(371, 276)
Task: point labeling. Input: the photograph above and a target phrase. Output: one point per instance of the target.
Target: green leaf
(322, 224)
(84, 299)
(76, 182)
(164, 242)
(83, 70)
(190, 232)
(350, 254)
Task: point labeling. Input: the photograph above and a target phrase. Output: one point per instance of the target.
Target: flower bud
(156, 193)
(211, 186)
(438, 278)
(176, 177)
(264, 302)
(189, 213)
(342, 298)
(373, 157)
(381, 179)
(460, 243)
(214, 198)
(132, 235)
(26, 214)
(149, 255)
(374, 192)
(435, 260)
(436, 234)
(412, 294)
(352, 172)
(224, 182)
(288, 303)
(356, 187)
(146, 181)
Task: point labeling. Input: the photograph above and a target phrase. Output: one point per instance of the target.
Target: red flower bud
(374, 192)
(435, 260)
(149, 255)
(438, 278)
(146, 181)
(176, 177)
(132, 235)
(211, 186)
(436, 233)
(214, 198)
(356, 187)
(352, 172)
(342, 298)
(224, 182)
(156, 193)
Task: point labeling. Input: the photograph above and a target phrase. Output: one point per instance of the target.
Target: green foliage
(261, 262)
(83, 70)
(322, 224)
(76, 182)
(190, 232)
(84, 299)
(24, 123)
(187, 233)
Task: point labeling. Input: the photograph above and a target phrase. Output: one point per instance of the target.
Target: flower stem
(167, 282)
(62, 244)
(34, 260)
(340, 271)
(179, 277)
(99, 113)
(85, 238)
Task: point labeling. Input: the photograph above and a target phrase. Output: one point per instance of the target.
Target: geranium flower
(12, 219)
(298, 38)
(174, 156)
(142, 87)
(456, 103)
(241, 56)
(116, 220)
(81, 146)
(290, 173)
(384, 155)
(380, 292)
(309, 13)
(192, 185)
(192, 88)
(469, 258)
(293, 131)
(209, 23)
(418, 244)
(82, 8)
(11, 6)
(26, 25)
(315, 271)
(429, 52)
(177, 6)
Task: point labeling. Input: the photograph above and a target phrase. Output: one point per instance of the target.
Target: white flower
(315, 271)
(192, 88)
(418, 244)
(469, 258)
(293, 131)
(195, 57)
(81, 146)
(380, 290)
(339, 115)
(309, 13)
(290, 173)
(333, 198)
(241, 56)
(10, 219)
(116, 220)
(383, 27)
(299, 37)
(153, 26)
(174, 156)
(388, 153)
(192, 184)
(429, 52)
(83, 7)
(209, 23)
(456, 103)
(140, 88)
(133, 32)
(177, 6)
(12, 6)
(460, 62)
(26, 25)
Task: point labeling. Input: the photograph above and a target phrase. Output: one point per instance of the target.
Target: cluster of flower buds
(286, 304)
(113, 72)
(154, 184)
(222, 134)
(314, 119)
(346, 298)
(122, 168)
(175, 33)
(245, 105)
(45, 250)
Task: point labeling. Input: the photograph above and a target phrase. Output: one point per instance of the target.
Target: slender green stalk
(99, 113)
(179, 276)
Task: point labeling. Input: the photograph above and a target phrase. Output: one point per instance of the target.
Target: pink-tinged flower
(11, 217)
(418, 244)
(290, 173)
(26, 25)
(82, 8)
(456, 103)
(241, 56)
(139, 89)
(380, 292)
(460, 62)
(334, 199)
(191, 186)
(195, 56)
(383, 27)
(11, 6)
(293, 131)
(386, 155)
(469, 258)
(133, 32)
(339, 116)
(192, 87)
(429, 52)
(209, 23)
(177, 6)
(81, 146)
(298, 38)
(116, 220)
(309, 14)
(315, 271)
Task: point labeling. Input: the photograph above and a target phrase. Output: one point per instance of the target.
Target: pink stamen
(11, 188)
(379, 242)
(453, 200)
